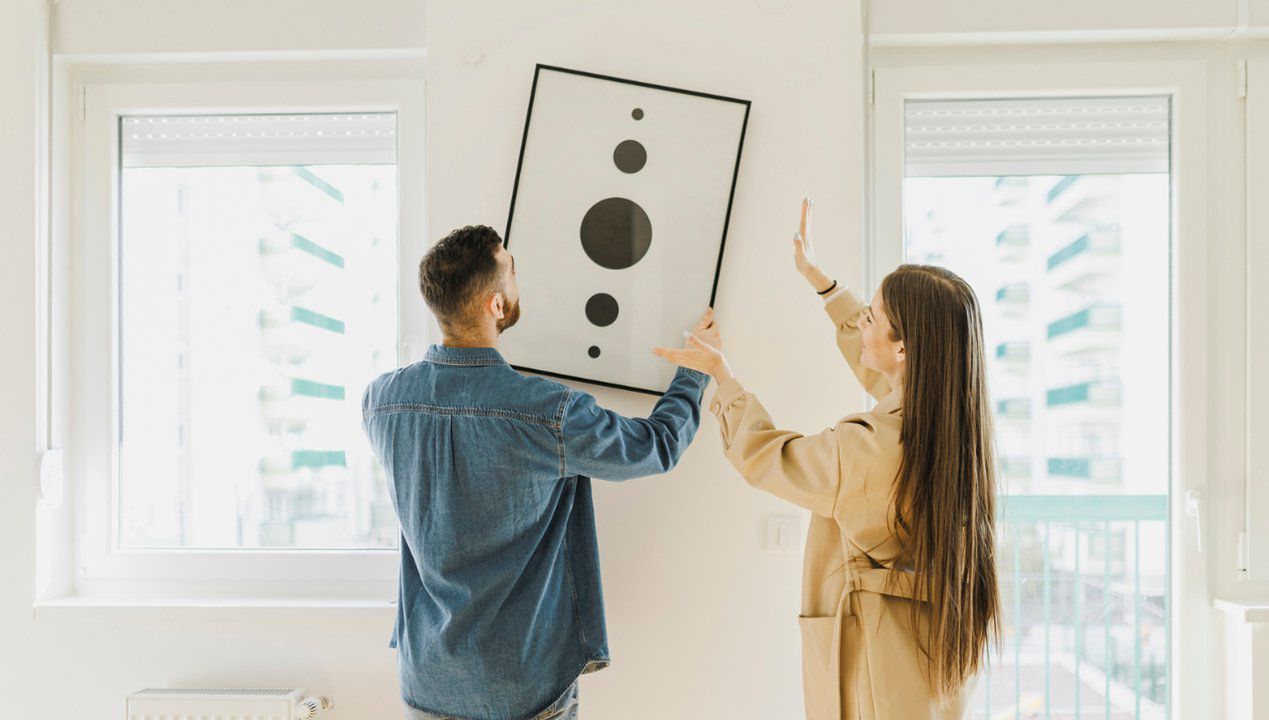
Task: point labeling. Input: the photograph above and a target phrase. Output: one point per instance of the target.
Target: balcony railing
(1097, 317)
(1085, 609)
(326, 188)
(1016, 351)
(1083, 467)
(1094, 392)
(1060, 187)
(1014, 236)
(1083, 244)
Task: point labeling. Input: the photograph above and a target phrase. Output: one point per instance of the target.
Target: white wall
(136, 27)
(19, 78)
(895, 20)
(679, 552)
(701, 620)
(79, 663)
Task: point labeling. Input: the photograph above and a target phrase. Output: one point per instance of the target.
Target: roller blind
(1036, 136)
(236, 140)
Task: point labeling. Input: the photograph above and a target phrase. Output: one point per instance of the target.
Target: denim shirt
(500, 605)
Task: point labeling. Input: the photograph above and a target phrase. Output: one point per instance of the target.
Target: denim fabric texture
(567, 707)
(500, 605)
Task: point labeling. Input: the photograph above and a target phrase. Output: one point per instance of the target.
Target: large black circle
(616, 233)
(601, 309)
(593, 351)
(630, 156)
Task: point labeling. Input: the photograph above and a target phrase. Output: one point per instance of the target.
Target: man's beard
(509, 318)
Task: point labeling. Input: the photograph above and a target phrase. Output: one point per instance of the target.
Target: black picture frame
(731, 194)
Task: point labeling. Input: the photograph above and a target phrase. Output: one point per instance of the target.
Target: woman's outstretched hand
(804, 252)
(703, 350)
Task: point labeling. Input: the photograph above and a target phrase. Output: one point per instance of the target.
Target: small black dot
(637, 114)
(593, 351)
(630, 156)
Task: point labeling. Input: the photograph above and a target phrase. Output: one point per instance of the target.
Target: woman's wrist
(722, 373)
(818, 280)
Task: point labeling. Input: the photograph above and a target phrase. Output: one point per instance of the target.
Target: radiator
(224, 704)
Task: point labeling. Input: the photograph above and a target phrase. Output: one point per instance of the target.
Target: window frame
(102, 567)
(1186, 83)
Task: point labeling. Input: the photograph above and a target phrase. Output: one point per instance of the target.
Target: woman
(899, 595)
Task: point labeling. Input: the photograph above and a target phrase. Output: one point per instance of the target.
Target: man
(500, 605)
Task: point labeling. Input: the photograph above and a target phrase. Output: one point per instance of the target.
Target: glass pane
(1073, 275)
(255, 302)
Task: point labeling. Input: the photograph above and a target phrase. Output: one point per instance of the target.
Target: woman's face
(881, 352)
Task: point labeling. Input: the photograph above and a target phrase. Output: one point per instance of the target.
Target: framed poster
(618, 221)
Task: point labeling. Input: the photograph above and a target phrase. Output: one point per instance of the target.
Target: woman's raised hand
(804, 252)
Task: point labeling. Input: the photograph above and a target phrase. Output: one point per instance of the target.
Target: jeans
(566, 708)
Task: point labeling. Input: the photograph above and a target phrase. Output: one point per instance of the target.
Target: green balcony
(1083, 246)
(1085, 468)
(1096, 392)
(1060, 187)
(318, 459)
(1097, 317)
(312, 179)
(1014, 409)
(303, 244)
(316, 319)
(308, 388)
(1018, 351)
(1017, 236)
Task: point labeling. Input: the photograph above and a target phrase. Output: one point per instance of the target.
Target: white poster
(618, 222)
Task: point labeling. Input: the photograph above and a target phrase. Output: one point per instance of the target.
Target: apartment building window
(248, 254)
(1057, 196)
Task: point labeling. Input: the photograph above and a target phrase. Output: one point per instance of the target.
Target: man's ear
(497, 305)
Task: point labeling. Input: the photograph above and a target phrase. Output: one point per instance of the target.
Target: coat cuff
(843, 308)
(728, 392)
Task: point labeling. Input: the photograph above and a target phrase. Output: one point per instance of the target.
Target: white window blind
(241, 140)
(1050, 136)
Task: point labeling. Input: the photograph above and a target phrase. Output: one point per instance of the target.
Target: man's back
(500, 598)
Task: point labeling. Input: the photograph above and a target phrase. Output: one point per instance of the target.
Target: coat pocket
(821, 667)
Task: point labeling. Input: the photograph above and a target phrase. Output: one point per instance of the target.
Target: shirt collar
(446, 355)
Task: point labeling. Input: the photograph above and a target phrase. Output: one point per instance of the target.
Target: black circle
(593, 351)
(616, 233)
(630, 156)
(601, 309)
(637, 113)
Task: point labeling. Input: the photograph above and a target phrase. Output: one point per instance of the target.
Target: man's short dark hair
(460, 271)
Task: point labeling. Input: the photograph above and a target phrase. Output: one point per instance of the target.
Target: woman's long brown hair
(946, 488)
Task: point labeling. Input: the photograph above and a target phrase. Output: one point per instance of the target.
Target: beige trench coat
(860, 660)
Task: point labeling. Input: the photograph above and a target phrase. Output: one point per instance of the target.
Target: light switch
(784, 533)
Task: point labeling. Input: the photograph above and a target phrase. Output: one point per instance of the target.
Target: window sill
(77, 603)
(1248, 612)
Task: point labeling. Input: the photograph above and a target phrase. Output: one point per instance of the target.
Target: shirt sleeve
(603, 444)
(803, 469)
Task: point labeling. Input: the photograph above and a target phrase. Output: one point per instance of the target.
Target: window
(247, 268)
(249, 319)
(1072, 264)
(1054, 196)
